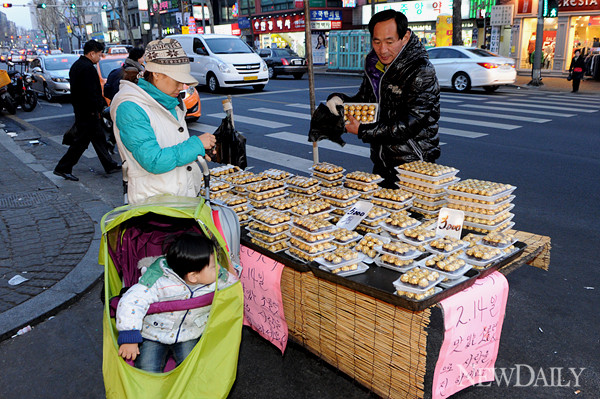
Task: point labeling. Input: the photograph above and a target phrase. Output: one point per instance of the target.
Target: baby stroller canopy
(132, 232)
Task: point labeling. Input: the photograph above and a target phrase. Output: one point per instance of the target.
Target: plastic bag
(325, 125)
(231, 145)
(570, 76)
(70, 136)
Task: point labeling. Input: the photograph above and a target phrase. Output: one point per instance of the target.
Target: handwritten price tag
(263, 307)
(473, 324)
(450, 223)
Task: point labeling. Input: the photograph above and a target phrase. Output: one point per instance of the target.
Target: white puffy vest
(183, 180)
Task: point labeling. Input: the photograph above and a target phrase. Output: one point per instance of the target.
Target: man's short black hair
(136, 53)
(190, 252)
(92, 45)
(401, 21)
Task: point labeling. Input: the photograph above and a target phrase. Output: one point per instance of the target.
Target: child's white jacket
(160, 283)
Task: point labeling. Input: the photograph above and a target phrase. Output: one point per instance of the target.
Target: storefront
(422, 17)
(288, 31)
(576, 27)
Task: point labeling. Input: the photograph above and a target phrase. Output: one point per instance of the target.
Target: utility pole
(309, 62)
(536, 70)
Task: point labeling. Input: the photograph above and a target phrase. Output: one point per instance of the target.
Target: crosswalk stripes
(503, 109)
(460, 133)
(281, 112)
(43, 118)
(523, 104)
(503, 126)
(361, 151)
(549, 102)
(252, 121)
(496, 116)
(278, 158)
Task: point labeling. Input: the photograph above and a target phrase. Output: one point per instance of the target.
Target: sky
(18, 14)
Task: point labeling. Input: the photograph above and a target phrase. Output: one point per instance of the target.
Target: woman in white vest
(158, 153)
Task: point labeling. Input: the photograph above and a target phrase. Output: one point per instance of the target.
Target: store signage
(525, 7)
(355, 215)
(349, 3)
(197, 12)
(320, 25)
(244, 23)
(502, 15)
(263, 307)
(336, 24)
(472, 328)
(417, 11)
(578, 5)
(325, 15)
(450, 223)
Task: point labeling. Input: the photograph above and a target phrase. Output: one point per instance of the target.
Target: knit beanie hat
(167, 56)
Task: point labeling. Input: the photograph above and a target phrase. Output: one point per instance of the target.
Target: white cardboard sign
(450, 223)
(355, 215)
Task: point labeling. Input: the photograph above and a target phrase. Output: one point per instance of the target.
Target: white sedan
(462, 67)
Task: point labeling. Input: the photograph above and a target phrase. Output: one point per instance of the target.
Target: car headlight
(264, 65)
(59, 80)
(190, 90)
(223, 67)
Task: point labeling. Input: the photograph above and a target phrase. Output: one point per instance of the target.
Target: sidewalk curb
(77, 282)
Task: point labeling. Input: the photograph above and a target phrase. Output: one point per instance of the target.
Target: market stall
(362, 298)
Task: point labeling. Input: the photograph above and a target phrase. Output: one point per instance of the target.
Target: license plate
(250, 77)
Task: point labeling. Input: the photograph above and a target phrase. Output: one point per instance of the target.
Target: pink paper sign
(473, 324)
(263, 307)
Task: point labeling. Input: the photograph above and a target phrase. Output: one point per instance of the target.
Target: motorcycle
(20, 89)
(7, 102)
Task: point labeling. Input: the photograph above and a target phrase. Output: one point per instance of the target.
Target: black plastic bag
(70, 136)
(570, 76)
(325, 125)
(231, 145)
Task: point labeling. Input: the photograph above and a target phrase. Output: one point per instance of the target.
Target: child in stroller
(187, 271)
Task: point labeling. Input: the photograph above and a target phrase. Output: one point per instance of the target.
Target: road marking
(251, 121)
(298, 105)
(545, 101)
(351, 149)
(43, 118)
(502, 126)
(498, 116)
(265, 93)
(278, 158)
(280, 112)
(44, 103)
(561, 108)
(529, 111)
(461, 133)
(574, 100)
(463, 97)
(447, 100)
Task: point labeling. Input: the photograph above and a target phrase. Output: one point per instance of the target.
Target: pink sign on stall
(473, 324)
(263, 307)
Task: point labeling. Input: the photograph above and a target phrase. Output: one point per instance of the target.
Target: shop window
(584, 34)
(529, 38)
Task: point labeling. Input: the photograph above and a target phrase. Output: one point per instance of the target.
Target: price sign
(450, 223)
(355, 215)
(473, 324)
(263, 307)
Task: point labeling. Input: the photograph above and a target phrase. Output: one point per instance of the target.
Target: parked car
(30, 55)
(51, 74)
(223, 61)
(462, 68)
(283, 62)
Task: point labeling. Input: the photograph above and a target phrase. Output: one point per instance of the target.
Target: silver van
(223, 61)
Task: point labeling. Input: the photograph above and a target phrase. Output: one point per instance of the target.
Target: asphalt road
(544, 143)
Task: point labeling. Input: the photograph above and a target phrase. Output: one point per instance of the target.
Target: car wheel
(298, 76)
(461, 82)
(213, 83)
(272, 74)
(48, 93)
(259, 87)
(491, 89)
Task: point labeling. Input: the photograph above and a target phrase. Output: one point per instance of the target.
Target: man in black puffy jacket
(400, 78)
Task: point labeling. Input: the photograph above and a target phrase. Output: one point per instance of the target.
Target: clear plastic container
(429, 184)
(452, 275)
(489, 217)
(328, 238)
(367, 258)
(420, 192)
(489, 198)
(361, 268)
(490, 227)
(429, 248)
(480, 205)
(267, 238)
(322, 261)
(400, 286)
(327, 228)
(411, 254)
(427, 177)
(328, 177)
(274, 247)
(436, 290)
(379, 262)
(312, 256)
(439, 202)
(397, 230)
(480, 263)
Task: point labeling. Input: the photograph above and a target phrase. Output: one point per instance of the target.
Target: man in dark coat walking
(400, 78)
(87, 100)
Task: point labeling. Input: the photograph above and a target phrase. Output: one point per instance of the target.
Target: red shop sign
(290, 23)
(336, 24)
(578, 5)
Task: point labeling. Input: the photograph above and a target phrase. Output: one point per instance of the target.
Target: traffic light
(73, 5)
(550, 9)
(41, 5)
(104, 6)
(7, 5)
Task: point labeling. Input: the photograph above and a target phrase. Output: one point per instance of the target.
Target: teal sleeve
(138, 137)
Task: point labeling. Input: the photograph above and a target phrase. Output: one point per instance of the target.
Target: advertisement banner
(319, 45)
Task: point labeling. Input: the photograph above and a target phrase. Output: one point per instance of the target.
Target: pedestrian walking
(87, 100)
(577, 69)
(152, 136)
(399, 77)
(130, 70)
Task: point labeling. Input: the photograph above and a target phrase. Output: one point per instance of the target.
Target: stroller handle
(206, 175)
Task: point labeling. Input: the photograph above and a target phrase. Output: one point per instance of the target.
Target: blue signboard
(244, 23)
(325, 15)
